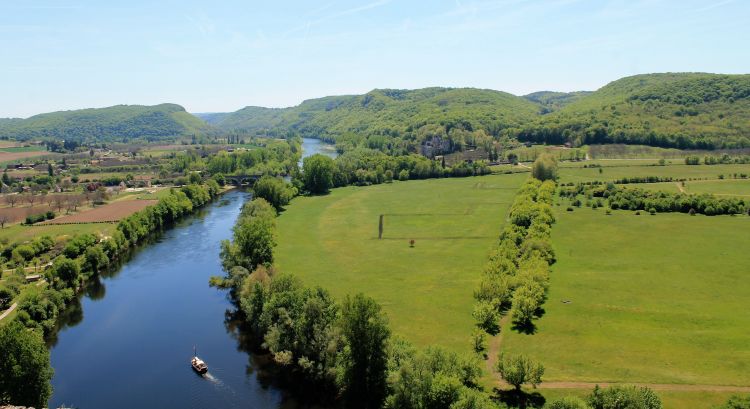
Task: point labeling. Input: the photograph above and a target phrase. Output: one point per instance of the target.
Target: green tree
(6, 296)
(277, 192)
(67, 270)
(365, 358)
(317, 173)
(25, 370)
(623, 397)
(545, 167)
(568, 402)
(518, 370)
(95, 259)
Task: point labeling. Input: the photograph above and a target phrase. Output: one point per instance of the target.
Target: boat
(198, 364)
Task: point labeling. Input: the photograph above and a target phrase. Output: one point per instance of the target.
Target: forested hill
(117, 123)
(685, 110)
(553, 101)
(395, 120)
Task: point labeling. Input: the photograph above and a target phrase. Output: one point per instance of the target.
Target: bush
(737, 402)
(570, 209)
(624, 397)
(403, 175)
(652, 211)
(50, 215)
(486, 317)
(36, 218)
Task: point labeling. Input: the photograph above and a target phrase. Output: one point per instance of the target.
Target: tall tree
(25, 370)
(365, 329)
(317, 173)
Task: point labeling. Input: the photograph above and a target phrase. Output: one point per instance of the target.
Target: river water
(129, 341)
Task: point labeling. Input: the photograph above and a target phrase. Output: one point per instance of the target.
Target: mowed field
(652, 299)
(111, 212)
(427, 290)
(720, 187)
(611, 173)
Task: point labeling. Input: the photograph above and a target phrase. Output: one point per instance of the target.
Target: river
(129, 341)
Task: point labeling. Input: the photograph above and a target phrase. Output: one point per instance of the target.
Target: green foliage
(553, 101)
(274, 190)
(118, 123)
(434, 378)
(365, 329)
(683, 110)
(737, 402)
(254, 237)
(95, 259)
(317, 173)
(6, 297)
(78, 244)
(67, 271)
(545, 167)
(487, 317)
(519, 369)
(624, 397)
(25, 370)
(394, 121)
(568, 402)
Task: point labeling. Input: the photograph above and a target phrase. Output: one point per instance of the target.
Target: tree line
(629, 198)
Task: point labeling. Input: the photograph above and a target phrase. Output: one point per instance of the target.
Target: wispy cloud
(332, 16)
(713, 6)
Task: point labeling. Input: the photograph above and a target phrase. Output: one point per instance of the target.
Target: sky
(221, 55)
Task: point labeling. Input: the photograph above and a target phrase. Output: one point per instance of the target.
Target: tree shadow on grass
(519, 399)
(528, 328)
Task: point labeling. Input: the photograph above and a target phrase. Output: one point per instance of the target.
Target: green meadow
(611, 173)
(426, 290)
(650, 299)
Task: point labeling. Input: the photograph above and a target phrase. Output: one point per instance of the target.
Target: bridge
(239, 180)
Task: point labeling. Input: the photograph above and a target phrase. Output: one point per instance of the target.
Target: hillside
(553, 101)
(682, 110)
(117, 123)
(395, 120)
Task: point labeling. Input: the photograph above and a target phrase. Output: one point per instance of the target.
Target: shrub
(486, 317)
(652, 211)
(619, 397)
(570, 209)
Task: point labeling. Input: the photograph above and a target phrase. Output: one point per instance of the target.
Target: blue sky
(224, 55)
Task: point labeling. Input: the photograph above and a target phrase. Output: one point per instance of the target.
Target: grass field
(610, 173)
(426, 290)
(653, 299)
(19, 232)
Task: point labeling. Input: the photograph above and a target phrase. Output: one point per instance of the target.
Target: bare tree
(11, 199)
(4, 218)
(30, 199)
(59, 201)
(74, 201)
(67, 184)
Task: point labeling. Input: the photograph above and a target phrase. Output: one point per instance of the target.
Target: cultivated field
(11, 154)
(426, 290)
(649, 299)
(111, 212)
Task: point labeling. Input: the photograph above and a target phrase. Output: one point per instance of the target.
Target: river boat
(198, 364)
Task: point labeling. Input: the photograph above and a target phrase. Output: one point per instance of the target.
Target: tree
(6, 296)
(518, 370)
(50, 170)
(4, 219)
(623, 397)
(11, 199)
(277, 192)
(545, 167)
(25, 370)
(95, 259)
(6, 178)
(317, 173)
(30, 199)
(66, 270)
(59, 201)
(568, 402)
(365, 358)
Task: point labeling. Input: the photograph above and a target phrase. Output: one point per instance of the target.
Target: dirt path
(8, 311)
(495, 343)
(679, 186)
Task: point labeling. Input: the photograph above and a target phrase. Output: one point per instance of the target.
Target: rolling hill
(118, 123)
(679, 110)
(394, 120)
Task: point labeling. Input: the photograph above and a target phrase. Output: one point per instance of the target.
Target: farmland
(426, 290)
(676, 171)
(111, 212)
